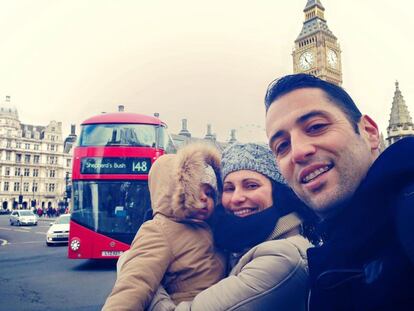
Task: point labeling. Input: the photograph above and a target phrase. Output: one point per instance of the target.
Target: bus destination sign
(135, 166)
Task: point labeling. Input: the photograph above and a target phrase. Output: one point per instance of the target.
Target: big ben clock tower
(316, 49)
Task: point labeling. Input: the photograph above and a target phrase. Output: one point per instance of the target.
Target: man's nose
(302, 148)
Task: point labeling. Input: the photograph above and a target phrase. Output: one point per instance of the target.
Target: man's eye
(281, 148)
(314, 128)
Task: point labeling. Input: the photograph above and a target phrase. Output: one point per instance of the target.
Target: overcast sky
(207, 61)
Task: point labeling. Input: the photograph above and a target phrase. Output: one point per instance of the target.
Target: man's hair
(334, 93)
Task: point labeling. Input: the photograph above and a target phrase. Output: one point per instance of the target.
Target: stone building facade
(33, 163)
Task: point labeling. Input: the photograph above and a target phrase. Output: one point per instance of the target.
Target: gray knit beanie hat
(250, 156)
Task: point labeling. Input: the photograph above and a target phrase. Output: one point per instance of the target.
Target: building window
(52, 138)
(35, 172)
(18, 158)
(18, 144)
(52, 160)
(8, 155)
(68, 162)
(7, 171)
(52, 173)
(52, 147)
(50, 187)
(36, 147)
(16, 186)
(26, 146)
(17, 171)
(6, 186)
(27, 158)
(34, 187)
(26, 172)
(26, 187)
(8, 143)
(36, 159)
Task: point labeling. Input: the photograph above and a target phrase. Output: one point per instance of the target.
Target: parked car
(58, 232)
(23, 217)
(4, 211)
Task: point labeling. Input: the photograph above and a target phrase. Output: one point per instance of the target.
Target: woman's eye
(252, 186)
(228, 189)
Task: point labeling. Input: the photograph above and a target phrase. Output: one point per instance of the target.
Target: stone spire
(399, 111)
(184, 131)
(209, 134)
(233, 138)
(314, 21)
(400, 124)
(312, 3)
(7, 109)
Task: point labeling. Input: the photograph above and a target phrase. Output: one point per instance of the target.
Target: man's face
(317, 149)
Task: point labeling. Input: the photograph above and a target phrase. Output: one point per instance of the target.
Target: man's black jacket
(367, 259)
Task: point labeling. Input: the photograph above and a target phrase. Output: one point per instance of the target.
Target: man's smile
(312, 172)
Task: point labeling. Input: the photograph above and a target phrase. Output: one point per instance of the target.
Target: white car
(58, 232)
(23, 217)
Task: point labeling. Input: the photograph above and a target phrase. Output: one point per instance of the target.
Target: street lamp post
(66, 189)
(21, 195)
(33, 203)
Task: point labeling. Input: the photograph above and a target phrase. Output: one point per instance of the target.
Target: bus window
(137, 135)
(114, 208)
(164, 140)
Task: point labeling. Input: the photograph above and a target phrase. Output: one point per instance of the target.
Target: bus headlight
(75, 245)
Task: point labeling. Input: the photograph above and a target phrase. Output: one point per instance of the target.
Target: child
(175, 248)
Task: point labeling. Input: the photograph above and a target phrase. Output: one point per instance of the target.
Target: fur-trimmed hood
(174, 179)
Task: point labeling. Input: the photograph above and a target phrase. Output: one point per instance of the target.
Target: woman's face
(246, 192)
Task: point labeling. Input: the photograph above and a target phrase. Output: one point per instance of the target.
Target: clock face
(332, 58)
(306, 60)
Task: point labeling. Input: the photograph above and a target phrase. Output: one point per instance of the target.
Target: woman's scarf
(235, 234)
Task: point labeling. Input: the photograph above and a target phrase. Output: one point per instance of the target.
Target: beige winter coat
(171, 248)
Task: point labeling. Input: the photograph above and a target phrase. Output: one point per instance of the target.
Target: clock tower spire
(317, 49)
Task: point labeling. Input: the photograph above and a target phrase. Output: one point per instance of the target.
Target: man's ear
(369, 130)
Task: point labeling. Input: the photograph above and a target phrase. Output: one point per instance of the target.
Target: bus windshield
(138, 135)
(113, 208)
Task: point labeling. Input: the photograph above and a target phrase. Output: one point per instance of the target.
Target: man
(329, 154)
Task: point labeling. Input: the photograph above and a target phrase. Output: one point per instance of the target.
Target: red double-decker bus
(110, 197)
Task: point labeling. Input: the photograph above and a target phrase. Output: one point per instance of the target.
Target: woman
(260, 225)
